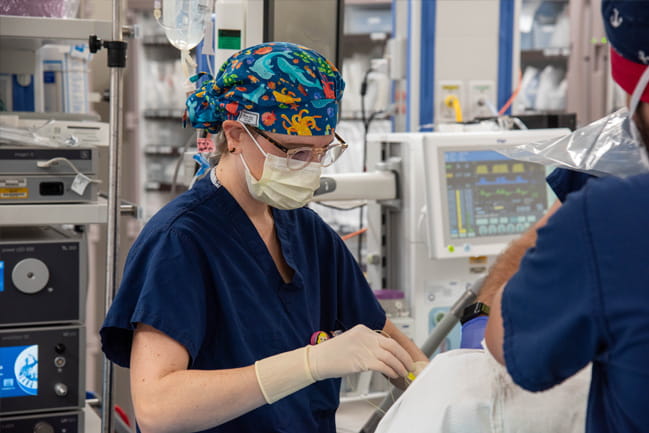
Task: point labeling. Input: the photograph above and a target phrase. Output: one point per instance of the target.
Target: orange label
(13, 193)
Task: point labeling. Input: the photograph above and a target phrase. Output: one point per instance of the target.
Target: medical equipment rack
(19, 38)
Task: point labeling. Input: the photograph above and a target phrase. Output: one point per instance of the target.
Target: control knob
(61, 389)
(30, 275)
(43, 427)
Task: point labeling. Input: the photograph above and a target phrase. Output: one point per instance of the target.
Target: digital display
(18, 371)
(489, 194)
(2, 276)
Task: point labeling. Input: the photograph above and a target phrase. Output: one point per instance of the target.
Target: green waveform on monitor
(502, 192)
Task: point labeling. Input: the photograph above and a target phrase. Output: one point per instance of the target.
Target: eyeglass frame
(292, 151)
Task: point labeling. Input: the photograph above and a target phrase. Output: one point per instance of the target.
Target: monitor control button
(61, 389)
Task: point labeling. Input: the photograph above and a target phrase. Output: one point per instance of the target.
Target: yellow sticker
(478, 260)
(13, 193)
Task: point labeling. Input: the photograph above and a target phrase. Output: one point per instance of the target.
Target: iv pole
(116, 63)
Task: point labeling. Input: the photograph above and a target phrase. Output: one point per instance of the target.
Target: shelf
(62, 213)
(163, 113)
(153, 150)
(546, 55)
(20, 37)
(32, 32)
(383, 3)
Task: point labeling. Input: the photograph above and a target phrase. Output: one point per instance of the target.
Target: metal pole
(112, 229)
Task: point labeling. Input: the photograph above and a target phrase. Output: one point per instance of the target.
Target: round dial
(30, 276)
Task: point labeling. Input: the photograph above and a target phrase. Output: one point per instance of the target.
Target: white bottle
(61, 79)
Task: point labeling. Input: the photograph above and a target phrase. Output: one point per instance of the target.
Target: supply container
(40, 8)
(61, 83)
(393, 302)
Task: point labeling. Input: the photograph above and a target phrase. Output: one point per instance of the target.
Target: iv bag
(184, 21)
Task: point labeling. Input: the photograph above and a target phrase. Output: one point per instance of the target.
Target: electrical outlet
(482, 95)
(446, 88)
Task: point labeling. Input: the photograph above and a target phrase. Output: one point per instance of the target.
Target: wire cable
(330, 206)
(49, 162)
(366, 127)
(453, 102)
(511, 99)
(353, 234)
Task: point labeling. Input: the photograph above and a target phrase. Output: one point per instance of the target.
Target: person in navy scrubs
(230, 286)
(579, 294)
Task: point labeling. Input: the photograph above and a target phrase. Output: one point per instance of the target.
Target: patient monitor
(460, 204)
(478, 200)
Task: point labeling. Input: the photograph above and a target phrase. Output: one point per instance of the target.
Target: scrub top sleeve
(549, 307)
(356, 301)
(163, 286)
(564, 181)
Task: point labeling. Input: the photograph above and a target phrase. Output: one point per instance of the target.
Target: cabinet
(564, 60)
(366, 30)
(545, 49)
(20, 37)
(50, 278)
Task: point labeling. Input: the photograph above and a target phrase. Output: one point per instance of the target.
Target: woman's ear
(232, 131)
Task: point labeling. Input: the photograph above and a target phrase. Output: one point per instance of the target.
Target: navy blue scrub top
(200, 273)
(580, 295)
(564, 181)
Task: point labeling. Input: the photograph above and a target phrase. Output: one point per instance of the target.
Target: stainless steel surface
(115, 119)
(57, 213)
(131, 209)
(292, 21)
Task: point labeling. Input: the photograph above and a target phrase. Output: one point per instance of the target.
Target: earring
(231, 150)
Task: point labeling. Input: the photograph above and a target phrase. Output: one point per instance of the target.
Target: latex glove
(473, 333)
(356, 350)
(419, 367)
(404, 382)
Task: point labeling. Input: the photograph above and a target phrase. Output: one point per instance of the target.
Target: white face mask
(633, 105)
(279, 186)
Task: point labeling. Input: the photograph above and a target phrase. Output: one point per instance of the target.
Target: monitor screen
(2, 276)
(18, 371)
(488, 194)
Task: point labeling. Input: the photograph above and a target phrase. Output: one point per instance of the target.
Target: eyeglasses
(299, 157)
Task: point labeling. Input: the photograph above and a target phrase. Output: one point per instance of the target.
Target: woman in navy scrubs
(580, 293)
(227, 287)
